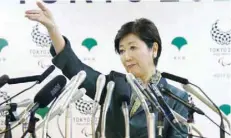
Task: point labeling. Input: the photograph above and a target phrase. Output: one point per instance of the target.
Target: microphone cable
(222, 127)
(19, 93)
(17, 123)
(176, 97)
(180, 130)
(11, 99)
(60, 131)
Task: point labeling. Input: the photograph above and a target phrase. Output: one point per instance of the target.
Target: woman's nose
(127, 56)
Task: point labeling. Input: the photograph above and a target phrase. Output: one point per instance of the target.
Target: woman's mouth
(130, 66)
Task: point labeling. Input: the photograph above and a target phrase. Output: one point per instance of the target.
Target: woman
(139, 45)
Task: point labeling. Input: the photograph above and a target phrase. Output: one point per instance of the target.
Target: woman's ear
(155, 49)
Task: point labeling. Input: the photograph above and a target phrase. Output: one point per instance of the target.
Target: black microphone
(46, 73)
(49, 92)
(23, 79)
(185, 103)
(38, 78)
(175, 78)
(3, 80)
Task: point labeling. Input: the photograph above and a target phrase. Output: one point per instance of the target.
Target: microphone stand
(125, 111)
(68, 122)
(190, 121)
(10, 118)
(31, 126)
(160, 125)
(8, 134)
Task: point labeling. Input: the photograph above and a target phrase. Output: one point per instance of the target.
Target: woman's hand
(44, 16)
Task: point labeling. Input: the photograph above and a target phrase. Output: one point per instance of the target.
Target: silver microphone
(184, 121)
(190, 89)
(149, 95)
(100, 83)
(125, 110)
(78, 80)
(23, 103)
(81, 76)
(110, 88)
(123, 93)
(77, 95)
(101, 80)
(149, 116)
(154, 102)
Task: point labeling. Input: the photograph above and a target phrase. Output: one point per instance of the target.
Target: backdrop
(196, 40)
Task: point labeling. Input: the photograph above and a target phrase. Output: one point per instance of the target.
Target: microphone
(184, 121)
(38, 78)
(100, 83)
(78, 80)
(110, 88)
(46, 73)
(191, 107)
(74, 83)
(49, 92)
(149, 96)
(149, 116)
(161, 113)
(27, 79)
(3, 80)
(188, 88)
(175, 78)
(23, 103)
(130, 79)
(210, 103)
(124, 92)
(163, 104)
(77, 95)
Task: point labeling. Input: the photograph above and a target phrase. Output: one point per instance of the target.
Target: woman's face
(135, 55)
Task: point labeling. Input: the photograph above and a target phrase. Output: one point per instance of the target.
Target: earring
(154, 55)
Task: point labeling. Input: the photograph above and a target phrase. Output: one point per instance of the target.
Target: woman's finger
(34, 17)
(32, 11)
(41, 6)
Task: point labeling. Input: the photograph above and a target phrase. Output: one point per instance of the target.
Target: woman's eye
(121, 51)
(133, 47)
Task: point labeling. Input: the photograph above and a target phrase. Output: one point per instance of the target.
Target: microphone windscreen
(3, 80)
(50, 91)
(175, 78)
(46, 73)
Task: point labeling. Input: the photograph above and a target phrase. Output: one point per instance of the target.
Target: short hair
(145, 29)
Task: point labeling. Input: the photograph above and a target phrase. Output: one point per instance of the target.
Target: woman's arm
(64, 57)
